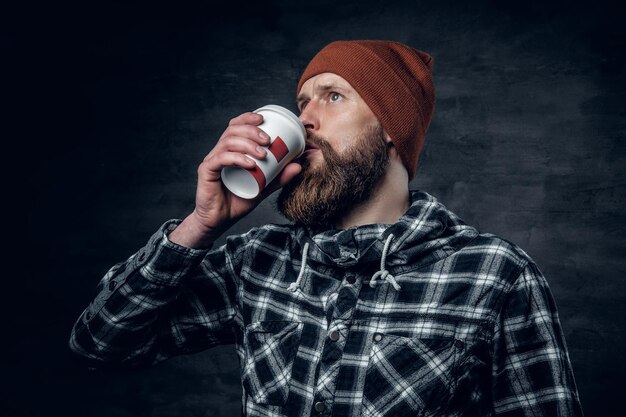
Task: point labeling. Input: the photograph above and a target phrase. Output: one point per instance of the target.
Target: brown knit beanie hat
(393, 79)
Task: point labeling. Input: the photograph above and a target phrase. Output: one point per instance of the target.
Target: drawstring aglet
(295, 285)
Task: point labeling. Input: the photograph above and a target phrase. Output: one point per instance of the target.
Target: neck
(388, 202)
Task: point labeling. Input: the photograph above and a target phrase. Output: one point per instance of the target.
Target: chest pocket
(410, 376)
(270, 349)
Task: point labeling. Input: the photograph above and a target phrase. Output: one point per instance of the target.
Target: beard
(322, 195)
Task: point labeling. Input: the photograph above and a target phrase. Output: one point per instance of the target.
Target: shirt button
(334, 336)
(112, 285)
(319, 406)
(351, 279)
(378, 337)
(459, 344)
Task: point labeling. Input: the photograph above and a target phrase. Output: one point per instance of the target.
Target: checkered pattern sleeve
(164, 300)
(532, 374)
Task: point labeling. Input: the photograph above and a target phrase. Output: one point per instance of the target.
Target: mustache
(316, 141)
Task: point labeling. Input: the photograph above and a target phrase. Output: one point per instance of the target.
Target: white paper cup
(287, 135)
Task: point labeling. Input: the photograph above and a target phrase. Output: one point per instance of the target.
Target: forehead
(323, 81)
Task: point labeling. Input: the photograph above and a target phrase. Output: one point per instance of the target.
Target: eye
(303, 105)
(334, 97)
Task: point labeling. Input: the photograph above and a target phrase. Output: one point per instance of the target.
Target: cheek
(345, 125)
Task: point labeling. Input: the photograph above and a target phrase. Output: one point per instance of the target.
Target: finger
(240, 145)
(246, 118)
(247, 131)
(213, 165)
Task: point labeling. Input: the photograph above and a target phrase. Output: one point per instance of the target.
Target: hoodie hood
(426, 233)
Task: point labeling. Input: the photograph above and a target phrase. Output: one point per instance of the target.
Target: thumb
(287, 174)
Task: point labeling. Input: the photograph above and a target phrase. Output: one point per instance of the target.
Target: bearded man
(374, 300)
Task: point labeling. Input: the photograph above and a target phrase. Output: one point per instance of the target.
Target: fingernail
(261, 150)
(264, 135)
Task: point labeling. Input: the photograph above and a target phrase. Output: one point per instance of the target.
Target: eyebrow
(320, 89)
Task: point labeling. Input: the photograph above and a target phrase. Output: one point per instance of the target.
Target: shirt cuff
(164, 262)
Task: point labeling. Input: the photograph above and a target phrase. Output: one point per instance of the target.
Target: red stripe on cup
(278, 148)
(258, 176)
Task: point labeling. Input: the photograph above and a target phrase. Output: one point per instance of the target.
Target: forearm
(118, 330)
(121, 325)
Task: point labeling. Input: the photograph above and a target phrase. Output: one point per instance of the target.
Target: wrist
(192, 234)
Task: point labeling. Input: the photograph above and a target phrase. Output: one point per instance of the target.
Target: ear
(391, 148)
(390, 145)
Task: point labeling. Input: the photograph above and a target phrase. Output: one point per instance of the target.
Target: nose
(309, 117)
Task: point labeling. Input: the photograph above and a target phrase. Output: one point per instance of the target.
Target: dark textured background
(113, 105)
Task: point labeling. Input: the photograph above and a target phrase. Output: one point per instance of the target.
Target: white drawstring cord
(294, 285)
(383, 274)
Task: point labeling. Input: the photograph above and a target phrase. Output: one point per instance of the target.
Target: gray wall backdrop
(123, 100)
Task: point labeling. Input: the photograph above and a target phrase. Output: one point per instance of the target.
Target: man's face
(345, 157)
(330, 108)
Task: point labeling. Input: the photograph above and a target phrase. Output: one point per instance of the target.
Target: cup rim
(285, 112)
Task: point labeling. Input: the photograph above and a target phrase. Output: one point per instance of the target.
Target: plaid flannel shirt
(424, 317)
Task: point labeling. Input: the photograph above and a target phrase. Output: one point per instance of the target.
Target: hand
(216, 207)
